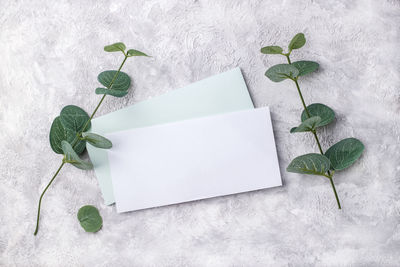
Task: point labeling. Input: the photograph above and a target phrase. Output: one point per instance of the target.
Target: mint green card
(225, 92)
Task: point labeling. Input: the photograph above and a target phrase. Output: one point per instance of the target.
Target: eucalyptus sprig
(68, 132)
(339, 156)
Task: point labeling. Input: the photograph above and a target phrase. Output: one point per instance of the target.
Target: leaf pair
(70, 156)
(338, 157)
(116, 83)
(297, 42)
(320, 115)
(65, 136)
(292, 71)
(121, 47)
(66, 127)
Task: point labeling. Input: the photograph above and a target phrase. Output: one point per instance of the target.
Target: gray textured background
(51, 54)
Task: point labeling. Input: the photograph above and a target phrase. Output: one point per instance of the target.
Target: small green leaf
(315, 164)
(307, 126)
(305, 67)
(90, 219)
(58, 133)
(281, 72)
(74, 118)
(115, 47)
(122, 82)
(272, 50)
(112, 92)
(135, 53)
(326, 114)
(97, 140)
(297, 42)
(344, 153)
(73, 158)
(80, 145)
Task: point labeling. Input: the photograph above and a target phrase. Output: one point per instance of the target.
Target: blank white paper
(193, 159)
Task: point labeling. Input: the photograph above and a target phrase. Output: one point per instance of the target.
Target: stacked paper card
(200, 141)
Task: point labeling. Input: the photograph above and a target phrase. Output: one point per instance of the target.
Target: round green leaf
(135, 53)
(297, 42)
(73, 158)
(80, 145)
(326, 114)
(97, 140)
(90, 219)
(122, 82)
(112, 92)
(315, 164)
(344, 153)
(305, 67)
(115, 47)
(272, 50)
(58, 133)
(307, 126)
(281, 72)
(74, 118)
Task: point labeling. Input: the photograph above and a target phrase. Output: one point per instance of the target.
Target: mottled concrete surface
(50, 55)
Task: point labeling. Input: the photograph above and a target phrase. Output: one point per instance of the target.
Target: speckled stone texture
(50, 55)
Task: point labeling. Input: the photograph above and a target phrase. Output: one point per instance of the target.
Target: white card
(193, 159)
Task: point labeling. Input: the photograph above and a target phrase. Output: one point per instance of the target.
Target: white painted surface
(51, 53)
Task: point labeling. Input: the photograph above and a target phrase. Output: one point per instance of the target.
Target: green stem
(334, 191)
(41, 196)
(301, 97)
(314, 133)
(318, 143)
(75, 142)
(288, 58)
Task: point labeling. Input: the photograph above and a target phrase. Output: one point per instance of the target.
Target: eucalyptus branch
(339, 156)
(73, 145)
(68, 136)
(314, 132)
